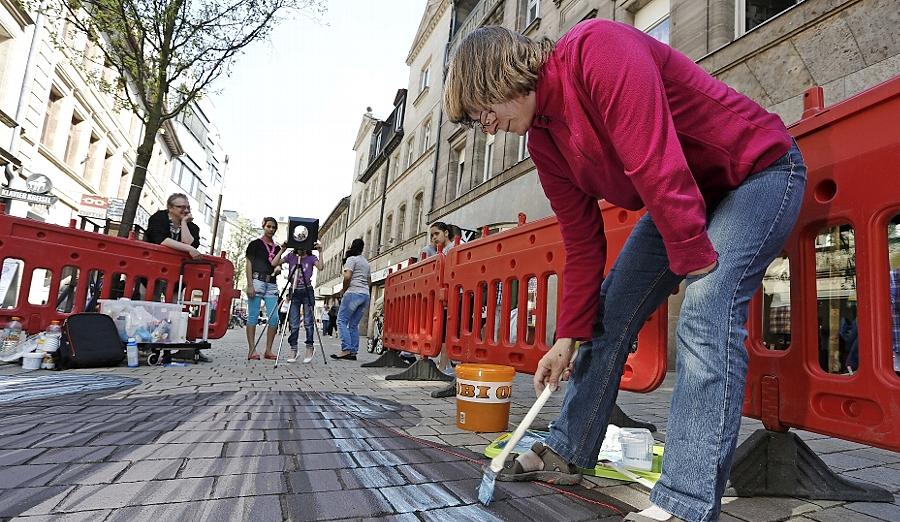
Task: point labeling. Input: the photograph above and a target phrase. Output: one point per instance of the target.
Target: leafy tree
(240, 236)
(167, 53)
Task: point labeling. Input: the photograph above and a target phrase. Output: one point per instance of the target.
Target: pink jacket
(623, 117)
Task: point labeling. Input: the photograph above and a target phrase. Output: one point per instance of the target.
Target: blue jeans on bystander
(353, 306)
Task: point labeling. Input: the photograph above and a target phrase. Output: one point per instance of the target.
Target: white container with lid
(32, 361)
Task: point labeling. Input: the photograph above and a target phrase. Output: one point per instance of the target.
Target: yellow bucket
(482, 396)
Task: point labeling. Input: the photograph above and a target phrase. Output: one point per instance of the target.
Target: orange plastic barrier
(52, 271)
(852, 151)
(492, 280)
(413, 307)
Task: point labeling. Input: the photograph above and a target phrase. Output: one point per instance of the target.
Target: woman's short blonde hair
(491, 65)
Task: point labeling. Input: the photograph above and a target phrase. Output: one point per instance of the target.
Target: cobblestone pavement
(237, 439)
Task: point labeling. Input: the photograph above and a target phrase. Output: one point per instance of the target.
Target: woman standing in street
(612, 113)
(357, 275)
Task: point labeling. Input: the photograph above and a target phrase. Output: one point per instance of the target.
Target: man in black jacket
(175, 227)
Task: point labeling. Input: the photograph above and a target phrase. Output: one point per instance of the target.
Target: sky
(291, 108)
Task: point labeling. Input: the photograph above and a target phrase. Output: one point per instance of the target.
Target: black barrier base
(449, 391)
(421, 370)
(622, 420)
(389, 359)
(772, 464)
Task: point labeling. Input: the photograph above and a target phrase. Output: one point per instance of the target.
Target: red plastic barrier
(852, 151)
(413, 307)
(59, 265)
(529, 259)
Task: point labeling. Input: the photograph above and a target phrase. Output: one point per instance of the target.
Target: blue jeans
(748, 228)
(301, 297)
(267, 292)
(353, 306)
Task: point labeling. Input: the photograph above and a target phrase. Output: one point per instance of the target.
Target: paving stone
(371, 478)
(761, 509)
(553, 507)
(841, 461)
(149, 470)
(292, 447)
(251, 449)
(390, 458)
(15, 428)
(74, 454)
(194, 436)
(64, 440)
(325, 461)
(473, 513)
(840, 514)
(136, 494)
(261, 508)
(421, 497)
(250, 485)
(124, 438)
(314, 481)
(298, 434)
(81, 516)
(89, 474)
(235, 466)
(356, 503)
(886, 476)
(29, 475)
(880, 510)
(37, 501)
(394, 443)
(168, 451)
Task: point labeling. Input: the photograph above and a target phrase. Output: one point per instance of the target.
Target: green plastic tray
(532, 436)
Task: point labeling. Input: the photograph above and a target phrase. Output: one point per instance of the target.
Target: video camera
(302, 233)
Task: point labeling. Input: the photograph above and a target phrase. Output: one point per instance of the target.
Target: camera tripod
(292, 284)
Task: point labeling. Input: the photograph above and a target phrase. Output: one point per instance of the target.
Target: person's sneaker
(293, 357)
(310, 351)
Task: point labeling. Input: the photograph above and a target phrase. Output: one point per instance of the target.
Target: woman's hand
(704, 270)
(554, 366)
(251, 293)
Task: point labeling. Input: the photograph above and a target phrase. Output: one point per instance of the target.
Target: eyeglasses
(188, 207)
(469, 122)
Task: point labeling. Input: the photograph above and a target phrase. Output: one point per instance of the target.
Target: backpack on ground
(90, 340)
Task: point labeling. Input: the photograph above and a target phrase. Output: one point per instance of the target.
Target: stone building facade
(771, 50)
(67, 129)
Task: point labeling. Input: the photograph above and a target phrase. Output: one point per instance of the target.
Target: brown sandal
(556, 470)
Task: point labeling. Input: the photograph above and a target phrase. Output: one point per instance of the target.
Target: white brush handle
(640, 480)
(497, 462)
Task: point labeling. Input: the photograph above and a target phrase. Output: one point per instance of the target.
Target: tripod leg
(292, 283)
(277, 307)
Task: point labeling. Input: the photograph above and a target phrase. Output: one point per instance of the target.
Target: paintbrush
(486, 490)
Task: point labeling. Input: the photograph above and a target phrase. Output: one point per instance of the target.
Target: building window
(460, 171)
(386, 233)
(73, 144)
(426, 136)
(401, 223)
(653, 19)
(425, 78)
(51, 117)
(532, 11)
(752, 13)
(417, 214)
(488, 158)
(523, 148)
(410, 151)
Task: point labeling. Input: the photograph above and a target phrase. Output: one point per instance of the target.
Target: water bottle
(132, 352)
(52, 337)
(14, 333)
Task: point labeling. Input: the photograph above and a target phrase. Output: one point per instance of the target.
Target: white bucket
(32, 361)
